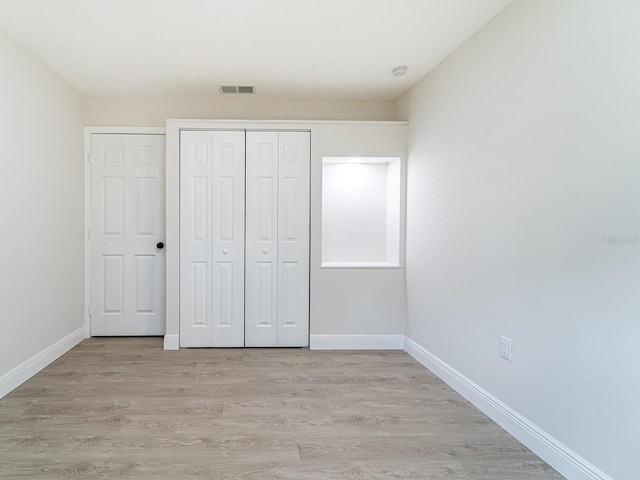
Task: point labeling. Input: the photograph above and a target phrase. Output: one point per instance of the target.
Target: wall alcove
(361, 212)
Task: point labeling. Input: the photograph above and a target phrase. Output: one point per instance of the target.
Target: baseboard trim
(356, 342)
(559, 456)
(16, 377)
(172, 342)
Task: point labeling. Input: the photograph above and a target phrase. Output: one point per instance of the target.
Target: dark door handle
(160, 245)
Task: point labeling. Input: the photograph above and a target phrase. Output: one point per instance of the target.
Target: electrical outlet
(505, 348)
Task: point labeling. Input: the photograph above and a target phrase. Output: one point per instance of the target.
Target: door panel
(261, 283)
(145, 202)
(198, 302)
(113, 284)
(212, 239)
(196, 239)
(293, 239)
(127, 221)
(228, 248)
(144, 292)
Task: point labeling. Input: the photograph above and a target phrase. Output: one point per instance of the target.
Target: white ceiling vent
(232, 89)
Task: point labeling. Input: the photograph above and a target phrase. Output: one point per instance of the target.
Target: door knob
(160, 245)
(225, 251)
(265, 251)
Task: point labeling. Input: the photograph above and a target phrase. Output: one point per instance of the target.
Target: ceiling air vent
(233, 89)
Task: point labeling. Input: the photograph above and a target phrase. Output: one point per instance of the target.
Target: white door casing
(127, 222)
(212, 238)
(277, 239)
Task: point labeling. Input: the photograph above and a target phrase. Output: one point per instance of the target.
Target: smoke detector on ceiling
(399, 71)
(237, 89)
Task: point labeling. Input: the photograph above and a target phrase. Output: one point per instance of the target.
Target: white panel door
(212, 238)
(277, 244)
(126, 234)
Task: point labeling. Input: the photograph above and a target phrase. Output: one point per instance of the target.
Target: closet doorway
(244, 238)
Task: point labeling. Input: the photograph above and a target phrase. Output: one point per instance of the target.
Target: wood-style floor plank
(123, 407)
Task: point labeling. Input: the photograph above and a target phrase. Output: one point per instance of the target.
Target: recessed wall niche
(360, 212)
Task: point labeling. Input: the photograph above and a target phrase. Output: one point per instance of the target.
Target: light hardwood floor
(123, 407)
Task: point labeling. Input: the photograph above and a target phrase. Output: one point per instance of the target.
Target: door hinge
(89, 234)
(90, 310)
(89, 158)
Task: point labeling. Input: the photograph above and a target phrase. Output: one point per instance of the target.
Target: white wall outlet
(505, 348)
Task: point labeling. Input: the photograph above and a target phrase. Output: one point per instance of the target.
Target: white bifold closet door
(212, 239)
(244, 239)
(277, 239)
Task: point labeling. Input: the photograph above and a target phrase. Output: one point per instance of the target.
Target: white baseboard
(330, 342)
(356, 342)
(172, 342)
(555, 453)
(16, 377)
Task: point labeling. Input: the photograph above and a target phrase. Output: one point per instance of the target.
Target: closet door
(277, 239)
(212, 238)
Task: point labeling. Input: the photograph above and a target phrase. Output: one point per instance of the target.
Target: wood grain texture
(123, 407)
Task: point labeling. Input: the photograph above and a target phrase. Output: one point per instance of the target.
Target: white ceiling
(290, 49)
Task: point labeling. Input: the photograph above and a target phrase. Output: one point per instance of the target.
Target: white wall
(135, 111)
(41, 207)
(524, 219)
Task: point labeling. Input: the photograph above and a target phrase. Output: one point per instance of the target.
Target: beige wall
(41, 207)
(135, 111)
(523, 219)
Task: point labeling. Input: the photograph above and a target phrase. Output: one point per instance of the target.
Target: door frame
(88, 131)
